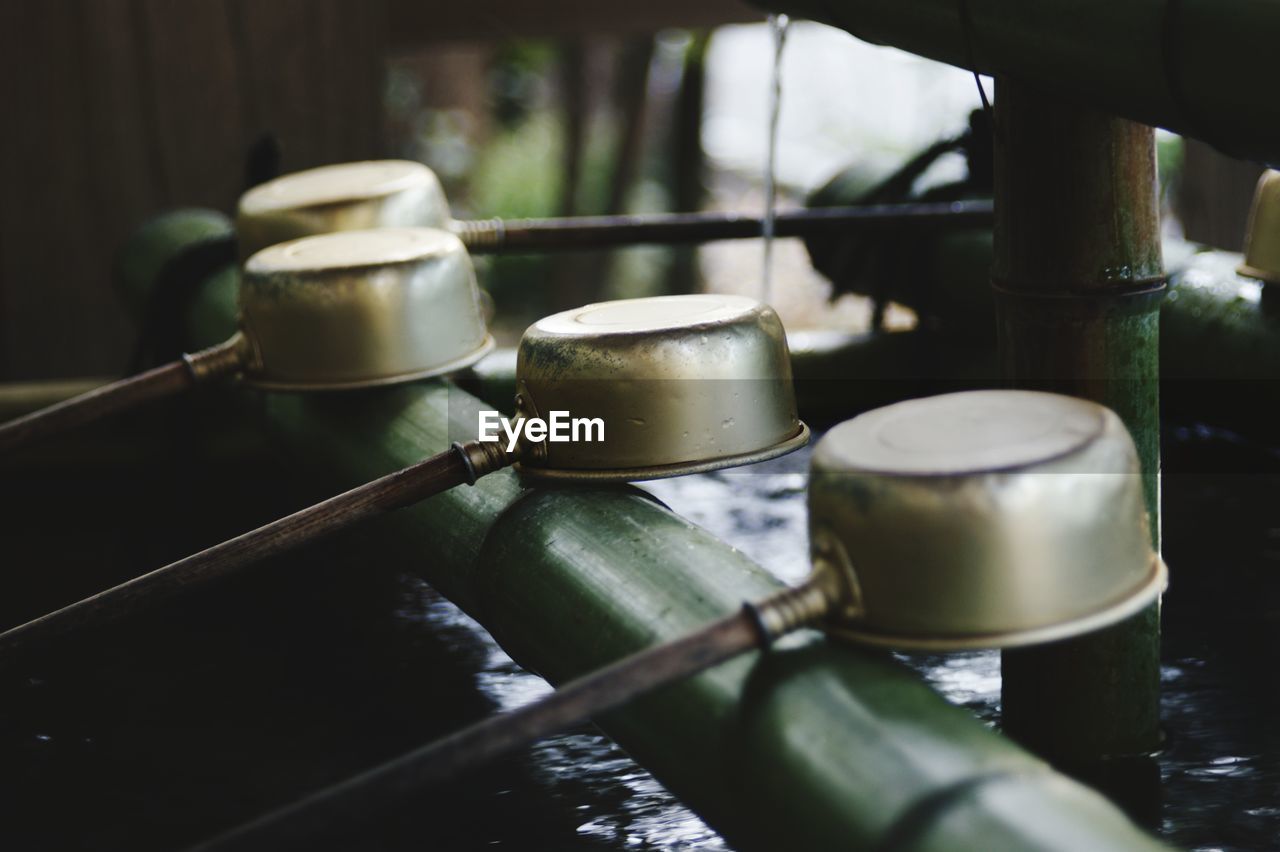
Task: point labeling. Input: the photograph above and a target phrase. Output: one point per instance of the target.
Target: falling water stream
(778, 25)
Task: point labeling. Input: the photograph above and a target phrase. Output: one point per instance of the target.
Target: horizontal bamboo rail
(1194, 66)
(812, 745)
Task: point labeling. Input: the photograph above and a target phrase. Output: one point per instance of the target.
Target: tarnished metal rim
(444, 369)
(641, 474)
(1132, 603)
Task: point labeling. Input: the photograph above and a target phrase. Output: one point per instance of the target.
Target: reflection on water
(971, 679)
(615, 802)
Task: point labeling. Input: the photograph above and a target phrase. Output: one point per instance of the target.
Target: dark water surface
(185, 724)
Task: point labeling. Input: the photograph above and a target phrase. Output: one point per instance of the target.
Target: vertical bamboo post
(1078, 275)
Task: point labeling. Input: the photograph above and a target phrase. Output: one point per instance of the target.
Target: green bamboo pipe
(1220, 345)
(812, 745)
(154, 248)
(1078, 278)
(1198, 67)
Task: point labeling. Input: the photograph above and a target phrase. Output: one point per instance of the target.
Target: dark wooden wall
(416, 21)
(117, 109)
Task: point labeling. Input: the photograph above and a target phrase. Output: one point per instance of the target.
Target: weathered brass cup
(345, 310)
(982, 519)
(1262, 241)
(341, 197)
(360, 308)
(682, 384)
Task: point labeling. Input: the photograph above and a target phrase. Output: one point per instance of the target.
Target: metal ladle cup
(682, 384)
(356, 309)
(619, 350)
(345, 310)
(983, 519)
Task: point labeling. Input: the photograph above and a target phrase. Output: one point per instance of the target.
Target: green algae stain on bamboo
(1078, 274)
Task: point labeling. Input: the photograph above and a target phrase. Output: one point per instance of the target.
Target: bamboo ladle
(336, 311)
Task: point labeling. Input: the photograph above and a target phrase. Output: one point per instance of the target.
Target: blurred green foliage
(510, 163)
(520, 172)
(519, 81)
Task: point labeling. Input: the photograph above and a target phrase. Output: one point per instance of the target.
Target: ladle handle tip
(165, 380)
